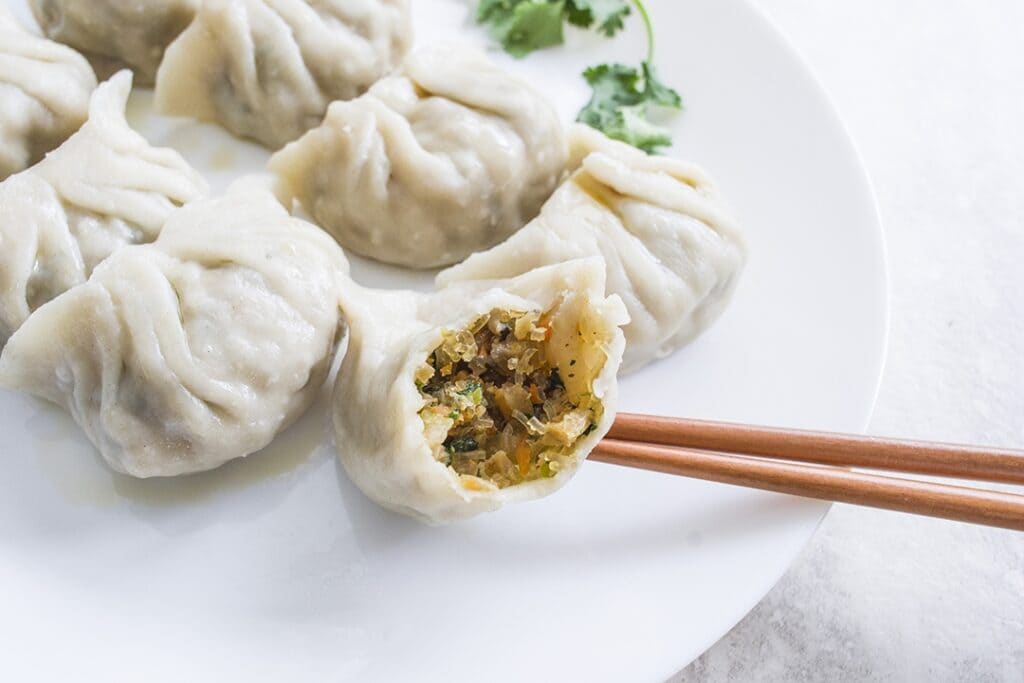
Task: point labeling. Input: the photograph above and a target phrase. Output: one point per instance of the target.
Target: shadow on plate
(557, 528)
(643, 537)
(375, 528)
(78, 473)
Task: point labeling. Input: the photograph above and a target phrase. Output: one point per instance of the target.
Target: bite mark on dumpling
(507, 398)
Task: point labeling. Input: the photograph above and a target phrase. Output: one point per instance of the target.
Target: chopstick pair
(813, 465)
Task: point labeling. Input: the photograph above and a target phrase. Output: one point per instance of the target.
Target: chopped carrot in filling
(496, 407)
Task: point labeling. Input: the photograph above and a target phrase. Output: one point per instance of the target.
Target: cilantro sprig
(522, 26)
(622, 98)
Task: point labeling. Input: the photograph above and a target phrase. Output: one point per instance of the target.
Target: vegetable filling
(497, 407)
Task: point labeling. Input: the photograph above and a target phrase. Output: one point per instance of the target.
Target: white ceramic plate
(277, 567)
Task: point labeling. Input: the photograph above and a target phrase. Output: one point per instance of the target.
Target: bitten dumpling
(104, 188)
(450, 156)
(672, 249)
(180, 355)
(44, 95)
(117, 33)
(453, 403)
(267, 69)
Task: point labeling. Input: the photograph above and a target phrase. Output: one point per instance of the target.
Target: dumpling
(104, 188)
(672, 249)
(453, 403)
(446, 158)
(267, 69)
(180, 355)
(44, 95)
(117, 33)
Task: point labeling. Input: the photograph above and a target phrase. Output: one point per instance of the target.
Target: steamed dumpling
(117, 33)
(453, 403)
(104, 188)
(672, 249)
(180, 355)
(267, 69)
(448, 157)
(44, 95)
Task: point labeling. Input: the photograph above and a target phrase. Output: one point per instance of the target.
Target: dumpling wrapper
(114, 34)
(103, 189)
(672, 248)
(44, 95)
(447, 157)
(379, 434)
(267, 69)
(180, 355)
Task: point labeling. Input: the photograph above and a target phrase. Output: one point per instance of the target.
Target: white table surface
(933, 94)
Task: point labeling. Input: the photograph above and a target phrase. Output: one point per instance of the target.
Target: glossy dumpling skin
(114, 34)
(380, 436)
(103, 189)
(44, 95)
(672, 248)
(447, 157)
(267, 69)
(180, 355)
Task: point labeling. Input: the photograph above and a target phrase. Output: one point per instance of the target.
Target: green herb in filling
(496, 406)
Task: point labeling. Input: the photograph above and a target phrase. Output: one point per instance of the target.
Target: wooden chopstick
(992, 508)
(825, 448)
(693, 448)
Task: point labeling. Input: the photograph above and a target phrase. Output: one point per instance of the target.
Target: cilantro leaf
(632, 126)
(522, 26)
(579, 13)
(609, 15)
(619, 105)
(622, 95)
(657, 92)
(489, 8)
